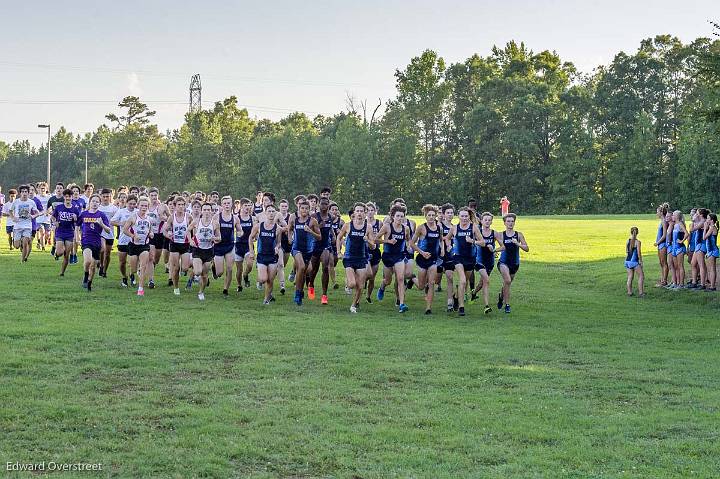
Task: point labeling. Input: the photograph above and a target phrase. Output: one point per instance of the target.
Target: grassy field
(579, 381)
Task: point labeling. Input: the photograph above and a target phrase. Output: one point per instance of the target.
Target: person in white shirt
(9, 223)
(108, 207)
(23, 211)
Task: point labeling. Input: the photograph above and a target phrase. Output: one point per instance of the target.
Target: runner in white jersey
(204, 232)
(176, 230)
(119, 219)
(108, 207)
(43, 221)
(158, 214)
(139, 228)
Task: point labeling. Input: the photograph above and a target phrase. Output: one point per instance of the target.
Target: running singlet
(266, 240)
(257, 209)
(246, 224)
(461, 247)
(204, 235)
(90, 229)
(486, 253)
(141, 228)
(355, 242)
(66, 220)
(511, 254)
(179, 229)
(302, 240)
(408, 249)
(154, 218)
(227, 230)
(659, 235)
(326, 227)
(632, 254)
(397, 249)
(711, 246)
(430, 243)
(121, 216)
(109, 211)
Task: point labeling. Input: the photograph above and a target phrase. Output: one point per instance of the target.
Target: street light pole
(48, 162)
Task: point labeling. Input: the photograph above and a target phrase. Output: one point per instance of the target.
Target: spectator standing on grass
(504, 206)
(633, 263)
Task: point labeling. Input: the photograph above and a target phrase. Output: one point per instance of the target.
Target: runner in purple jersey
(64, 217)
(91, 224)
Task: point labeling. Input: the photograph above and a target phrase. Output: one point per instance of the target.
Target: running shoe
(246, 279)
(311, 293)
(298, 298)
(450, 308)
(488, 309)
(225, 293)
(132, 279)
(368, 299)
(151, 284)
(258, 286)
(282, 290)
(461, 311)
(266, 302)
(291, 278)
(353, 309)
(140, 292)
(348, 290)
(324, 299)
(500, 301)
(170, 282)
(239, 289)
(456, 303)
(473, 298)
(89, 286)
(403, 308)
(409, 283)
(201, 296)
(85, 283)
(189, 284)
(176, 291)
(427, 311)
(380, 294)
(438, 289)
(507, 309)
(124, 283)
(336, 286)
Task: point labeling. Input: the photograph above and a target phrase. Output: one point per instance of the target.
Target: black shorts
(318, 252)
(181, 248)
(267, 259)
(305, 256)
(488, 266)
(166, 243)
(136, 249)
(223, 249)
(409, 255)
(391, 260)
(206, 255)
(355, 263)
(468, 263)
(241, 248)
(157, 240)
(109, 242)
(423, 263)
(375, 256)
(448, 263)
(512, 268)
(122, 248)
(94, 249)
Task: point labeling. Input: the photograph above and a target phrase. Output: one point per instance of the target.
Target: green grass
(579, 381)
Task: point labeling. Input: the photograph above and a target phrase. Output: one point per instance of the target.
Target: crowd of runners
(678, 242)
(198, 237)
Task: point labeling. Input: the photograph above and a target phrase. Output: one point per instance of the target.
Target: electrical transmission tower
(195, 94)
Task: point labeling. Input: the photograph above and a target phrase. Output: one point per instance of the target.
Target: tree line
(632, 134)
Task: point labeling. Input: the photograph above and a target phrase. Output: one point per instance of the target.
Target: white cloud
(133, 84)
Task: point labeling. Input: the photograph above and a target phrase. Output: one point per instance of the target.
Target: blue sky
(282, 56)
